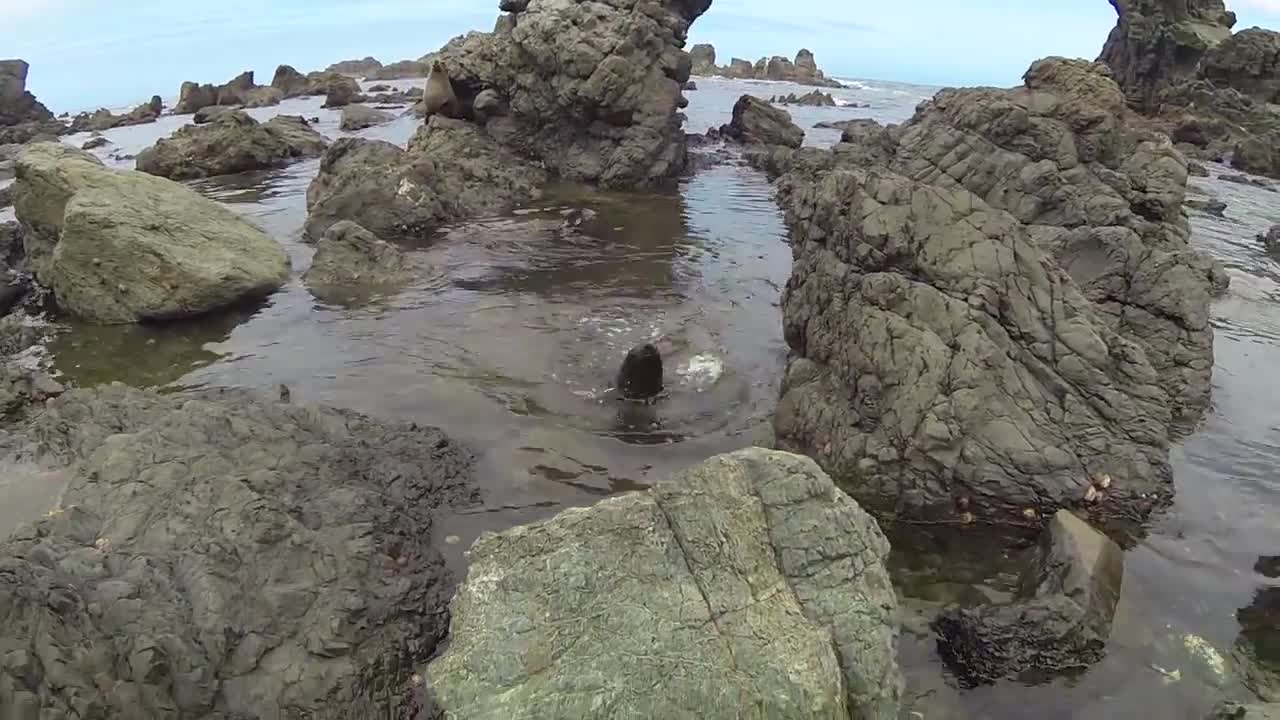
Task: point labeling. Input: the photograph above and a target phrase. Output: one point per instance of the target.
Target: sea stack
(641, 375)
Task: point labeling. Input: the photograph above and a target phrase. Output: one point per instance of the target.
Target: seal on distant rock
(641, 375)
(438, 96)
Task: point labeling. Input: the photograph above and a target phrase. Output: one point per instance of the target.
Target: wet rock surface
(746, 585)
(224, 555)
(230, 143)
(450, 170)
(106, 242)
(359, 117)
(1060, 622)
(350, 258)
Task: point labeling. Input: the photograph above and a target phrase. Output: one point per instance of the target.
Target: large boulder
(22, 117)
(330, 83)
(450, 171)
(593, 89)
(1102, 195)
(751, 567)
(359, 117)
(192, 97)
(121, 247)
(233, 142)
(351, 259)
(1060, 621)
(703, 57)
(1248, 61)
(1157, 43)
(756, 122)
(946, 369)
(240, 90)
(290, 82)
(225, 555)
(356, 68)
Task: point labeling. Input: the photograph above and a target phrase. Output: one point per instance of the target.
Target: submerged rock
(359, 117)
(981, 384)
(349, 257)
(233, 142)
(751, 568)
(225, 555)
(640, 377)
(121, 247)
(1060, 622)
(450, 170)
(756, 122)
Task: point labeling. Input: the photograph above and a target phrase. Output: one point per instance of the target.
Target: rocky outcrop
(341, 95)
(194, 96)
(402, 70)
(1157, 43)
(103, 119)
(232, 143)
(751, 567)
(121, 247)
(351, 259)
(817, 98)
(263, 97)
(1099, 194)
(290, 82)
(450, 171)
(1249, 62)
(359, 117)
(703, 57)
(1060, 621)
(756, 122)
(210, 113)
(22, 117)
(802, 71)
(225, 555)
(356, 68)
(333, 84)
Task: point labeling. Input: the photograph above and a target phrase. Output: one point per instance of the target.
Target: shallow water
(511, 342)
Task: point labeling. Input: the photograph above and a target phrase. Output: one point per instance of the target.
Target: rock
(593, 89)
(817, 98)
(22, 117)
(210, 113)
(94, 143)
(356, 68)
(1247, 180)
(1195, 169)
(263, 97)
(450, 171)
(341, 95)
(192, 97)
(402, 70)
(1100, 193)
(290, 82)
(1210, 206)
(1246, 61)
(750, 567)
(359, 117)
(640, 377)
(259, 559)
(756, 122)
(1270, 240)
(349, 257)
(704, 59)
(488, 104)
(739, 69)
(381, 89)
(513, 6)
(120, 247)
(232, 143)
(690, 85)
(1254, 155)
(1236, 711)
(6, 196)
(1156, 43)
(103, 119)
(336, 84)
(1018, 392)
(1060, 621)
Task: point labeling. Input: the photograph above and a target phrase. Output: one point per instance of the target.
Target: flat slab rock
(747, 586)
(221, 556)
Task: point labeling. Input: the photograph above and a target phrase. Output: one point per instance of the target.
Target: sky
(88, 53)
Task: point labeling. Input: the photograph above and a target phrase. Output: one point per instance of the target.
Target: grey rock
(17, 105)
(1248, 62)
(751, 568)
(704, 59)
(359, 117)
(290, 82)
(224, 555)
(263, 97)
(1195, 169)
(1157, 43)
(103, 119)
(194, 96)
(1017, 394)
(209, 113)
(1060, 622)
(756, 122)
(121, 247)
(1270, 240)
(95, 143)
(333, 85)
(1237, 711)
(816, 98)
(233, 142)
(402, 70)
(1210, 206)
(340, 95)
(356, 68)
(450, 171)
(349, 257)
(1254, 155)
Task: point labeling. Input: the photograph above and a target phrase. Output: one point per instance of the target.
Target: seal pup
(438, 96)
(640, 377)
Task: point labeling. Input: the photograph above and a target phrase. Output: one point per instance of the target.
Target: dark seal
(641, 375)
